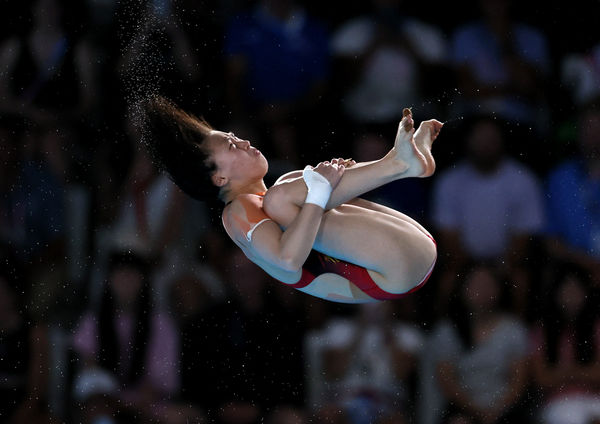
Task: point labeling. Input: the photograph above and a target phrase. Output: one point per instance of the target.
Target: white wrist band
(319, 188)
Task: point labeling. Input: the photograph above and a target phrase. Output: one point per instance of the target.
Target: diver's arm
(289, 249)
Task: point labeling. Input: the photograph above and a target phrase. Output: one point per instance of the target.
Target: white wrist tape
(319, 188)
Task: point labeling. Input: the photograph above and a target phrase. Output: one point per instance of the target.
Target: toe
(408, 123)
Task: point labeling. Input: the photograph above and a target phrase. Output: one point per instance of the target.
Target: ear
(219, 180)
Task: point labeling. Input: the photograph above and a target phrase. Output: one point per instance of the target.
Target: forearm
(364, 177)
(298, 238)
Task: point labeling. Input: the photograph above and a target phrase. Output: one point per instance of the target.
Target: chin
(264, 164)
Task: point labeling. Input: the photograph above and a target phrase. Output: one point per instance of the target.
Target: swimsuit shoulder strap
(243, 215)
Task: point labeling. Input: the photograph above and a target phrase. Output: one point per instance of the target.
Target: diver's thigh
(367, 204)
(394, 248)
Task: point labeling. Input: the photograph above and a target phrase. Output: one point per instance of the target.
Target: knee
(412, 274)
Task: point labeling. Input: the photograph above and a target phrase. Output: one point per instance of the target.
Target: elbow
(290, 264)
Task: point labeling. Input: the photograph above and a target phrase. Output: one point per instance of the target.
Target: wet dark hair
(174, 140)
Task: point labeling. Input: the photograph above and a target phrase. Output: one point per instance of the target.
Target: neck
(257, 186)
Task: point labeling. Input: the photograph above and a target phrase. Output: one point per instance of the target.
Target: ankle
(396, 167)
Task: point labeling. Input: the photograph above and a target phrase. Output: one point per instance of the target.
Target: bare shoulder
(227, 217)
(239, 216)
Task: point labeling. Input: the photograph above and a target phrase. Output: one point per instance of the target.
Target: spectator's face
(126, 284)
(143, 169)
(47, 12)
(481, 291)
(189, 297)
(589, 135)
(485, 146)
(571, 296)
(494, 9)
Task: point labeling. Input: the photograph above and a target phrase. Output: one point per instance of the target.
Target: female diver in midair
(310, 230)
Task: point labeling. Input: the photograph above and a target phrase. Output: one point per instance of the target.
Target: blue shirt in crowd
(284, 58)
(573, 203)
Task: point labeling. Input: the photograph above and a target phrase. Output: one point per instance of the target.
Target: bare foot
(405, 148)
(424, 138)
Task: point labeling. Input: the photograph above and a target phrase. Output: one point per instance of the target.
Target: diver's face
(235, 159)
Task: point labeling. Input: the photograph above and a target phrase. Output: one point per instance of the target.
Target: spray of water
(144, 65)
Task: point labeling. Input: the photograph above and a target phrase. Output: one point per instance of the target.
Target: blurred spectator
(11, 217)
(363, 366)
(478, 358)
(384, 60)
(148, 211)
(194, 308)
(566, 351)
(34, 171)
(25, 361)
(286, 415)
(487, 207)
(243, 356)
(573, 200)
(32, 187)
(277, 63)
(134, 342)
(150, 206)
(502, 66)
(45, 70)
(580, 73)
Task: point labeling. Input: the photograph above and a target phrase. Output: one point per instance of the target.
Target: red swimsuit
(317, 263)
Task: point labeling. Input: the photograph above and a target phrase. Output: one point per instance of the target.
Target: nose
(243, 144)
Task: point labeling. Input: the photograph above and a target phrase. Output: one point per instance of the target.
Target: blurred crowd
(123, 301)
